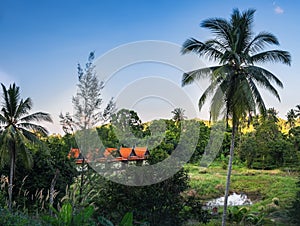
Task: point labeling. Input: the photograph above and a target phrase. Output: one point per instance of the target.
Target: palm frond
(220, 27)
(192, 76)
(216, 44)
(242, 99)
(202, 49)
(209, 90)
(12, 98)
(38, 117)
(241, 31)
(25, 154)
(260, 41)
(4, 152)
(6, 104)
(264, 82)
(259, 70)
(3, 120)
(217, 103)
(258, 99)
(272, 56)
(30, 136)
(36, 128)
(23, 108)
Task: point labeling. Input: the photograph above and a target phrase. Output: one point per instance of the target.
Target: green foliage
(127, 220)
(193, 208)
(127, 127)
(105, 222)
(32, 186)
(268, 148)
(243, 216)
(68, 216)
(159, 204)
(204, 133)
(294, 135)
(17, 218)
(107, 136)
(295, 209)
(17, 130)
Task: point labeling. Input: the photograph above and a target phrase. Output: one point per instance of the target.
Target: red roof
(74, 153)
(125, 154)
(141, 152)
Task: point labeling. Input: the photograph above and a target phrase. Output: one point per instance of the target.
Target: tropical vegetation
(41, 184)
(234, 83)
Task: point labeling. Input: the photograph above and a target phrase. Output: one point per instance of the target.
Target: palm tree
(291, 118)
(233, 83)
(178, 115)
(297, 110)
(17, 129)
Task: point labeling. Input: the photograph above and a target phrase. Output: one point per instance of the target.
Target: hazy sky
(41, 43)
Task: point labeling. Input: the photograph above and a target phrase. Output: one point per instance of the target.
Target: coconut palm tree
(272, 115)
(233, 82)
(291, 118)
(17, 128)
(178, 115)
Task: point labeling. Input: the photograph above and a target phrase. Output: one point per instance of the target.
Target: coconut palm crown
(234, 81)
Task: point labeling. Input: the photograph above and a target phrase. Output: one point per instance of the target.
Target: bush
(17, 219)
(295, 209)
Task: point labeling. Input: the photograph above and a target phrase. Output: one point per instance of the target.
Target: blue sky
(41, 42)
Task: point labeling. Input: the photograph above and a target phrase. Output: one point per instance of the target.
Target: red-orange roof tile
(125, 152)
(140, 151)
(74, 153)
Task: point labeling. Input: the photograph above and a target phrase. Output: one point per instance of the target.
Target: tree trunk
(81, 181)
(11, 176)
(234, 129)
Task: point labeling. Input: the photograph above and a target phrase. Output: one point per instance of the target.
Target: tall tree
(17, 128)
(88, 101)
(128, 127)
(291, 118)
(233, 83)
(87, 105)
(178, 115)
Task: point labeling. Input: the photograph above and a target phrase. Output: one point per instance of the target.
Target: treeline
(167, 202)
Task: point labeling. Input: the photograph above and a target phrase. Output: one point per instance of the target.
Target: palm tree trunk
(234, 128)
(81, 181)
(10, 186)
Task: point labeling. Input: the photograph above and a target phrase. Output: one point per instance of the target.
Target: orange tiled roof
(74, 153)
(125, 152)
(141, 152)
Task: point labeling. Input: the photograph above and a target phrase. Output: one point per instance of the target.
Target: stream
(233, 200)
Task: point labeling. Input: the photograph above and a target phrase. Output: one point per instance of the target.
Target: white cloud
(278, 10)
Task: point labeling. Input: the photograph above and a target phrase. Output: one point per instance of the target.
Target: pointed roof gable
(125, 152)
(141, 152)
